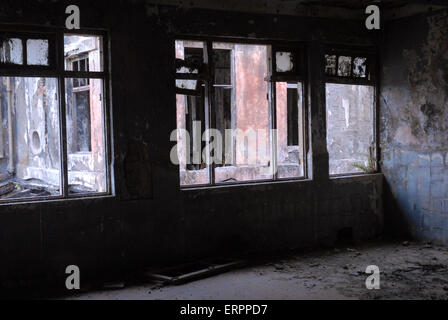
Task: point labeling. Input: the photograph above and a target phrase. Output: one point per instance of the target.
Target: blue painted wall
(414, 126)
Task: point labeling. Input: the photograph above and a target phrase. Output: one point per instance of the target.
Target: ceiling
(343, 9)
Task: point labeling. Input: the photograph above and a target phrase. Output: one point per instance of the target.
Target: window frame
(56, 69)
(371, 79)
(298, 74)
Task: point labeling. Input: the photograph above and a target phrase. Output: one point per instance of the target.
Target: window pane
(223, 55)
(29, 138)
(187, 84)
(290, 140)
(242, 113)
(192, 53)
(350, 128)
(344, 66)
(83, 53)
(86, 161)
(330, 65)
(284, 61)
(37, 52)
(359, 67)
(193, 169)
(11, 51)
(190, 110)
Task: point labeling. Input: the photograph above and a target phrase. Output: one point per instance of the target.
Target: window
(350, 105)
(38, 122)
(78, 108)
(290, 134)
(230, 127)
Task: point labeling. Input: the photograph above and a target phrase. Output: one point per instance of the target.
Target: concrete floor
(407, 271)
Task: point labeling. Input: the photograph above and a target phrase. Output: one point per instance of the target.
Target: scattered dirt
(408, 270)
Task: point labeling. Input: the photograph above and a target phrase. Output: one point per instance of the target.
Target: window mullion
(273, 115)
(62, 118)
(273, 129)
(63, 136)
(209, 117)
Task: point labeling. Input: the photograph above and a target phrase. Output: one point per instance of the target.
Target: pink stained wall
(251, 97)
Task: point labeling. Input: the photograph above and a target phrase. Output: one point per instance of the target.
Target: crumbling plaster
(414, 118)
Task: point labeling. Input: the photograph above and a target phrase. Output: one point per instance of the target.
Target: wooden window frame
(206, 73)
(371, 79)
(56, 69)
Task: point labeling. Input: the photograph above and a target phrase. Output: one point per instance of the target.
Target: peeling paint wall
(414, 125)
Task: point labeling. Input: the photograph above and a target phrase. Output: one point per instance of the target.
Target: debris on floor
(193, 271)
(415, 271)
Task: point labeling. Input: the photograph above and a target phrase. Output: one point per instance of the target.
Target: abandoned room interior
(164, 142)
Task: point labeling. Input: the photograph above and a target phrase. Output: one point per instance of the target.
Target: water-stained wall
(414, 125)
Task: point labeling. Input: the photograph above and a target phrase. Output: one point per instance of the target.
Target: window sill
(354, 176)
(255, 184)
(18, 202)
(244, 184)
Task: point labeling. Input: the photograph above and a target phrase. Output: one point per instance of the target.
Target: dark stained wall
(150, 221)
(414, 125)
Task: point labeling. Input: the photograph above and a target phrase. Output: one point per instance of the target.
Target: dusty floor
(407, 271)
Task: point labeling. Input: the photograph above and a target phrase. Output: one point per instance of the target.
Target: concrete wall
(36, 129)
(414, 125)
(350, 126)
(150, 221)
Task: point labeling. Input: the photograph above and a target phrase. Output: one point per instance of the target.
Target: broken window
(85, 137)
(227, 114)
(290, 134)
(86, 161)
(346, 66)
(11, 51)
(191, 111)
(350, 128)
(83, 53)
(32, 161)
(359, 67)
(189, 67)
(350, 106)
(284, 61)
(330, 64)
(242, 112)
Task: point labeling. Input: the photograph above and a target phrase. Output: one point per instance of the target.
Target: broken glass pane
(330, 65)
(289, 110)
(85, 49)
(284, 61)
(193, 169)
(359, 67)
(30, 161)
(11, 51)
(344, 66)
(193, 55)
(222, 63)
(86, 161)
(350, 127)
(190, 51)
(242, 115)
(222, 58)
(37, 52)
(186, 84)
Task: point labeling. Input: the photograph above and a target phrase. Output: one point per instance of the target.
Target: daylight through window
(225, 116)
(32, 133)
